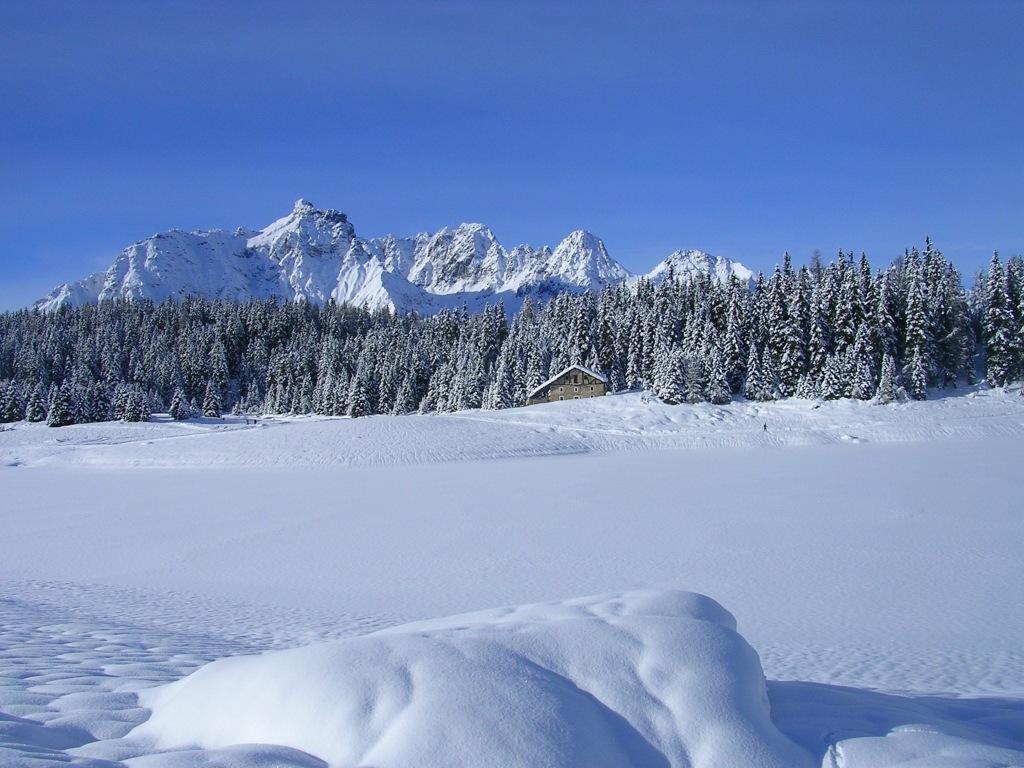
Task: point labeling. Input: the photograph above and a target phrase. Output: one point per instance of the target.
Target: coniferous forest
(820, 331)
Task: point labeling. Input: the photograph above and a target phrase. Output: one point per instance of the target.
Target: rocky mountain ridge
(315, 255)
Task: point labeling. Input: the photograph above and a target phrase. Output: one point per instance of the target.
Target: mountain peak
(313, 254)
(688, 263)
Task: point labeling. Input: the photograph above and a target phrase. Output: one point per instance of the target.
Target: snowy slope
(315, 255)
(870, 554)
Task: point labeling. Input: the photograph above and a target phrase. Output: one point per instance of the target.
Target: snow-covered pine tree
(359, 397)
(844, 311)
(143, 408)
(819, 344)
(35, 407)
(884, 325)
(504, 384)
(734, 351)
(10, 409)
(834, 380)
(58, 412)
(777, 321)
(695, 379)
(670, 376)
(718, 390)
(211, 400)
(97, 402)
(770, 379)
(1015, 281)
(405, 399)
(806, 388)
(888, 390)
(864, 383)
(119, 403)
(180, 408)
(999, 337)
(754, 387)
(218, 367)
(916, 375)
(342, 387)
(917, 339)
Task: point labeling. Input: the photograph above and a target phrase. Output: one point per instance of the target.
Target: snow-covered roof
(559, 375)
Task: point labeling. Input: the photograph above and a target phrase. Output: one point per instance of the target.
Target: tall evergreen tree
(211, 400)
(888, 384)
(35, 407)
(999, 342)
(670, 377)
(180, 408)
(58, 412)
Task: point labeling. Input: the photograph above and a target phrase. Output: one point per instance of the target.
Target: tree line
(820, 331)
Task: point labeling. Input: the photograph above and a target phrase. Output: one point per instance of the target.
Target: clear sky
(745, 129)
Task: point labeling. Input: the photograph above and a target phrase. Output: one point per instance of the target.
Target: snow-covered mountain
(315, 255)
(690, 263)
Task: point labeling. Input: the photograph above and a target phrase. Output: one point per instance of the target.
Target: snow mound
(645, 678)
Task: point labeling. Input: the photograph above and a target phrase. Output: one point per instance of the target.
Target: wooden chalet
(574, 383)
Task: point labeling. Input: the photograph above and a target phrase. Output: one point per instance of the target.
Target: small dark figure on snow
(766, 426)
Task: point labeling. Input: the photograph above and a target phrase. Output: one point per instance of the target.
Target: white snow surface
(637, 679)
(871, 555)
(314, 255)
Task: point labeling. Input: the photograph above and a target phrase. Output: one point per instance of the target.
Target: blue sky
(745, 129)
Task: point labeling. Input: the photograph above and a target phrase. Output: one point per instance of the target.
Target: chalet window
(575, 389)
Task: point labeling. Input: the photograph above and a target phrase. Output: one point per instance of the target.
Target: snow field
(616, 423)
(872, 556)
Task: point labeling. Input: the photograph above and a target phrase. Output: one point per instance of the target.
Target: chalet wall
(573, 385)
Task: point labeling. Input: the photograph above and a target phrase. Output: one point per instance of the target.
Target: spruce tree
(916, 375)
(358, 401)
(35, 407)
(670, 377)
(211, 401)
(180, 408)
(888, 390)
(10, 408)
(756, 386)
(769, 378)
(695, 380)
(805, 388)
(504, 385)
(58, 412)
(863, 385)
(917, 338)
(834, 381)
(999, 340)
(718, 390)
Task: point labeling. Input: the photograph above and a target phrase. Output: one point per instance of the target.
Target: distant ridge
(314, 254)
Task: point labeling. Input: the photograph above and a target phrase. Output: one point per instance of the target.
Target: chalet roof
(559, 375)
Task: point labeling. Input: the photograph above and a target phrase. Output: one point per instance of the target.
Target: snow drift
(646, 678)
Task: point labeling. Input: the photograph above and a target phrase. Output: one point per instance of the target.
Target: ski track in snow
(79, 640)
